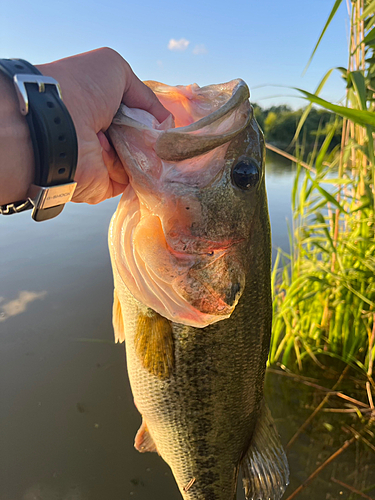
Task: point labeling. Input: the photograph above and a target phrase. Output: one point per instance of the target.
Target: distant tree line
(279, 124)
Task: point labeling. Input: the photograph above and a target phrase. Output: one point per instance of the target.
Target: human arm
(93, 85)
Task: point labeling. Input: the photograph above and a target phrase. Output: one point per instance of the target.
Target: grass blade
(330, 17)
(370, 9)
(356, 115)
(360, 87)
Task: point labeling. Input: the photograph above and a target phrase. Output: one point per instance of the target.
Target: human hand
(93, 85)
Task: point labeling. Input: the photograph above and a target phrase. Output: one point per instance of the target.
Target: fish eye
(245, 174)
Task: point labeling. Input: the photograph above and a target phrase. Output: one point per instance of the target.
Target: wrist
(17, 160)
(53, 138)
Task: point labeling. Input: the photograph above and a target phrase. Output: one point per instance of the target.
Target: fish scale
(200, 389)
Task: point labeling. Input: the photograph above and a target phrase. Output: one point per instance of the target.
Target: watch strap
(53, 138)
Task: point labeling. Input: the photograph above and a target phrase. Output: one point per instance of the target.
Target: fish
(190, 247)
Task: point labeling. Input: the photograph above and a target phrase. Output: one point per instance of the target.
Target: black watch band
(53, 137)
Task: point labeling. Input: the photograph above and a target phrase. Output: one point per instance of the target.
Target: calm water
(67, 419)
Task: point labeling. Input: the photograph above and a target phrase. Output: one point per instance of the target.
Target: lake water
(67, 418)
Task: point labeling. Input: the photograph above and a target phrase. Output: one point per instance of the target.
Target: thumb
(138, 95)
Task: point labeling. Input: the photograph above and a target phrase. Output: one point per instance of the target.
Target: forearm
(17, 157)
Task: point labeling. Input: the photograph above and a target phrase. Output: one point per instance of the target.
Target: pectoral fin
(143, 441)
(265, 467)
(154, 344)
(117, 320)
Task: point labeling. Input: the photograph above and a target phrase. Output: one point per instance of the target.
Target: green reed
(324, 291)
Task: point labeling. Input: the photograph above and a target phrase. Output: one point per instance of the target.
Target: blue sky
(264, 42)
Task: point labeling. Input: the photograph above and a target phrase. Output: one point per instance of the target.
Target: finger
(138, 95)
(115, 168)
(117, 188)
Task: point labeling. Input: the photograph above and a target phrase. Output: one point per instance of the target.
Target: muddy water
(67, 419)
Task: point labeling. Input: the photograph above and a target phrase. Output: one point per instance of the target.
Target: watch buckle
(45, 197)
(21, 79)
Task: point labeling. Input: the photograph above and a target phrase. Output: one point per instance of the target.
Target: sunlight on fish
(191, 255)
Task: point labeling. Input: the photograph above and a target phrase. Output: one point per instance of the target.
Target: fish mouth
(194, 143)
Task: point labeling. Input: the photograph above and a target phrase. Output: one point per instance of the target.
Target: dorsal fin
(154, 344)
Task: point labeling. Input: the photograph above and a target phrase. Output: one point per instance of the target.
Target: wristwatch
(53, 138)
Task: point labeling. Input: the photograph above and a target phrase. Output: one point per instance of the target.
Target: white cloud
(178, 45)
(200, 49)
(159, 63)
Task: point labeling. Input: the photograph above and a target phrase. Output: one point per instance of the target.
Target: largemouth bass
(191, 255)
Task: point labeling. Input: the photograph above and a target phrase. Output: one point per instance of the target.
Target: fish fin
(154, 344)
(264, 466)
(143, 441)
(117, 319)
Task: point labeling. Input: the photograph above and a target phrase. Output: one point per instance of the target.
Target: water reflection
(279, 180)
(324, 425)
(17, 306)
(278, 166)
(42, 492)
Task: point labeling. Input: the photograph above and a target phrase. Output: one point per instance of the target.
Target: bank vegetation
(324, 289)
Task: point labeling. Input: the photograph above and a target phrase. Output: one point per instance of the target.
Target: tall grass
(324, 291)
